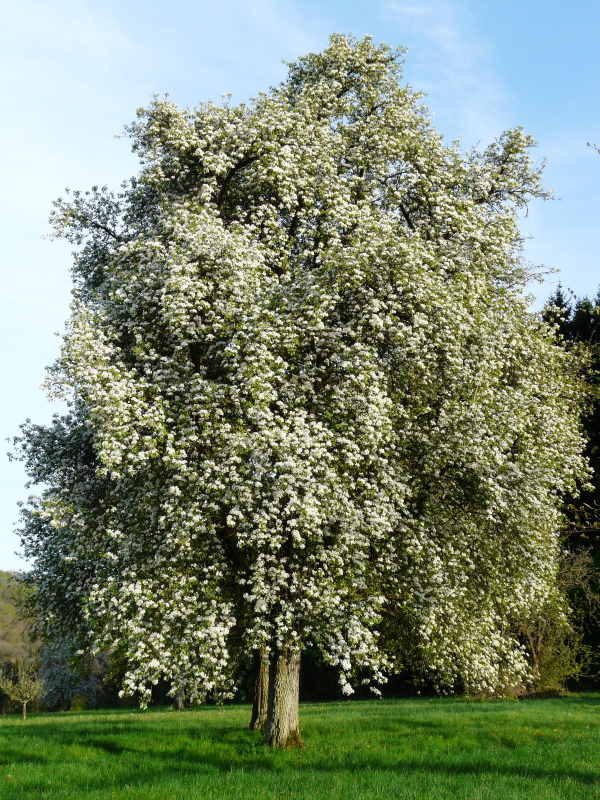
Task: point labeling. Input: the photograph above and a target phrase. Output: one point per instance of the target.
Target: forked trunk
(261, 692)
(282, 728)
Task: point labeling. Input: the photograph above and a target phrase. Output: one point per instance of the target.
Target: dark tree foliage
(578, 325)
(17, 639)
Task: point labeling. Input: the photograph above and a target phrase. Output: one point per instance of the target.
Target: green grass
(423, 748)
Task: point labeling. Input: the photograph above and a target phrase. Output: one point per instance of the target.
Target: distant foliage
(68, 680)
(22, 684)
(577, 325)
(554, 633)
(17, 641)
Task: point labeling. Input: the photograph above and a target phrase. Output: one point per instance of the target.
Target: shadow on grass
(106, 745)
(141, 752)
(177, 766)
(14, 756)
(245, 755)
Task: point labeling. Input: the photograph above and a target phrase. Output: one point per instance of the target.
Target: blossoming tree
(308, 404)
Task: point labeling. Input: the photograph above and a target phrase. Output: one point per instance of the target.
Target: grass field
(423, 748)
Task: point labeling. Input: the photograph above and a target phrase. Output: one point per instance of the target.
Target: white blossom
(308, 403)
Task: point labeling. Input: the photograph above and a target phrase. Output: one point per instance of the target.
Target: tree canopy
(308, 403)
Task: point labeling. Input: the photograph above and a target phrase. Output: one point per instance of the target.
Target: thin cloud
(281, 24)
(38, 29)
(454, 69)
(412, 11)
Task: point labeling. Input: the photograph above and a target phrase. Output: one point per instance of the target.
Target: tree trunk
(24, 710)
(261, 692)
(180, 700)
(282, 728)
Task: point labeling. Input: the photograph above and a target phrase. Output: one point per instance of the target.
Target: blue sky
(74, 73)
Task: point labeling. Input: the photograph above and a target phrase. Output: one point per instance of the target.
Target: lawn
(421, 748)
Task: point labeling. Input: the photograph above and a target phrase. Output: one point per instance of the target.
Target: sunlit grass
(422, 748)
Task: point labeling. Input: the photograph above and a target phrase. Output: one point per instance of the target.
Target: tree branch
(234, 170)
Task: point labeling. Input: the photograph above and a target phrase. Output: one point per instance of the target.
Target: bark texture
(283, 728)
(261, 692)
